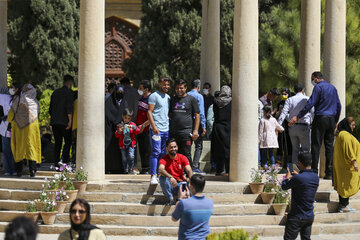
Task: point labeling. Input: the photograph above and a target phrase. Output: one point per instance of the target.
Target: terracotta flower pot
(268, 197)
(60, 206)
(51, 194)
(72, 194)
(39, 204)
(256, 188)
(48, 217)
(279, 208)
(62, 184)
(81, 186)
(32, 215)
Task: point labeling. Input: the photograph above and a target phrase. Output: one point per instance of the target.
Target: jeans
(168, 190)
(198, 150)
(265, 152)
(184, 142)
(322, 128)
(300, 138)
(9, 164)
(61, 133)
(158, 149)
(144, 150)
(128, 156)
(294, 225)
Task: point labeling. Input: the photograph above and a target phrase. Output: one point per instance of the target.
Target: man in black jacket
(61, 110)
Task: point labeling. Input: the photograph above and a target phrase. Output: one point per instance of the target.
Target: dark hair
(195, 83)
(216, 93)
(207, 83)
(165, 79)
(170, 140)
(305, 159)
(298, 87)
(68, 78)
(128, 112)
(267, 111)
(275, 91)
(146, 84)
(198, 182)
(125, 81)
(21, 228)
(180, 82)
(111, 86)
(318, 75)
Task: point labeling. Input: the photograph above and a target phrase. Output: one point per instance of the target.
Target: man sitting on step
(171, 168)
(303, 187)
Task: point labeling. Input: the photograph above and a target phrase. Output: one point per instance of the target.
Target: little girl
(267, 135)
(126, 132)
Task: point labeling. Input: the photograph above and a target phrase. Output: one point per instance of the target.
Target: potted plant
(281, 200)
(270, 185)
(70, 190)
(61, 199)
(49, 212)
(31, 211)
(256, 184)
(51, 185)
(42, 198)
(65, 171)
(80, 180)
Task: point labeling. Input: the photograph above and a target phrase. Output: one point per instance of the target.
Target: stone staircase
(127, 205)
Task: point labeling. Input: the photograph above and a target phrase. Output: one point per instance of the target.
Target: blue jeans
(9, 164)
(128, 156)
(168, 190)
(158, 149)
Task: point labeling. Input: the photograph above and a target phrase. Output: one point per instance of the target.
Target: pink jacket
(267, 134)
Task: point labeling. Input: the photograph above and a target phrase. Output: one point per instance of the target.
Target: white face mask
(205, 91)
(313, 83)
(140, 92)
(12, 91)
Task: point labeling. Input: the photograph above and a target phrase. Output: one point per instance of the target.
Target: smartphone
(183, 187)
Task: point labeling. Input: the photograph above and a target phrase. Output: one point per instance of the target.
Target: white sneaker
(154, 180)
(7, 174)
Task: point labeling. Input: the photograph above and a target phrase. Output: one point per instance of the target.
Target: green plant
(81, 175)
(31, 207)
(61, 196)
(256, 175)
(271, 179)
(282, 196)
(236, 234)
(69, 185)
(49, 206)
(44, 116)
(43, 196)
(51, 184)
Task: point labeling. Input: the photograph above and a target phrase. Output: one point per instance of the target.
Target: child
(267, 135)
(126, 132)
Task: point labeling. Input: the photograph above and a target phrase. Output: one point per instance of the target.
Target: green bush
(44, 117)
(236, 234)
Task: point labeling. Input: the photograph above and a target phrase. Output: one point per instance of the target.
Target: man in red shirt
(171, 168)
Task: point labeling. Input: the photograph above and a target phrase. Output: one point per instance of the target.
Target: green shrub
(236, 234)
(44, 117)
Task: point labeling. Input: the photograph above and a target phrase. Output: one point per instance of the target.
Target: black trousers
(19, 166)
(343, 201)
(184, 142)
(61, 133)
(322, 128)
(294, 225)
(144, 150)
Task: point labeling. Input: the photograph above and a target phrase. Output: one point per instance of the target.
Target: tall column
(91, 108)
(244, 137)
(310, 40)
(335, 47)
(3, 43)
(210, 44)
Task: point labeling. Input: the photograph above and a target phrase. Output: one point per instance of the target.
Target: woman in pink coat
(267, 135)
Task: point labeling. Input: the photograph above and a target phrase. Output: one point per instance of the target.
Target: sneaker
(198, 171)
(346, 209)
(154, 180)
(170, 202)
(7, 174)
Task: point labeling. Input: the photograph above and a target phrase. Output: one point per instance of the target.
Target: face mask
(205, 91)
(140, 92)
(11, 91)
(313, 83)
(283, 97)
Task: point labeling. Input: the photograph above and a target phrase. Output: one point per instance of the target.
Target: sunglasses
(73, 211)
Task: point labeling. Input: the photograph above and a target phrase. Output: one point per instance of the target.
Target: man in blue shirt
(194, 212)
(303, 187)
(325, 100)
(196, 84)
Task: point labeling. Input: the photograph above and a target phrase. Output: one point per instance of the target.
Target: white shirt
(5, 103)
(293, 106)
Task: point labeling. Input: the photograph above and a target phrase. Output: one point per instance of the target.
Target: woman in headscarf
(25, 132)
(114, 107)
(81, 229)
(346, 161)
(220, 137)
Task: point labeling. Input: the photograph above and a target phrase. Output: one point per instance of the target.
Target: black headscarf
(84, 228)
(344, 125)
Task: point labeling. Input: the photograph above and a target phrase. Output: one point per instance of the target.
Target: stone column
(310, 39)
(335, 47)
(91, 108)
(3, 43)
(244, 137)
(210, 44)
